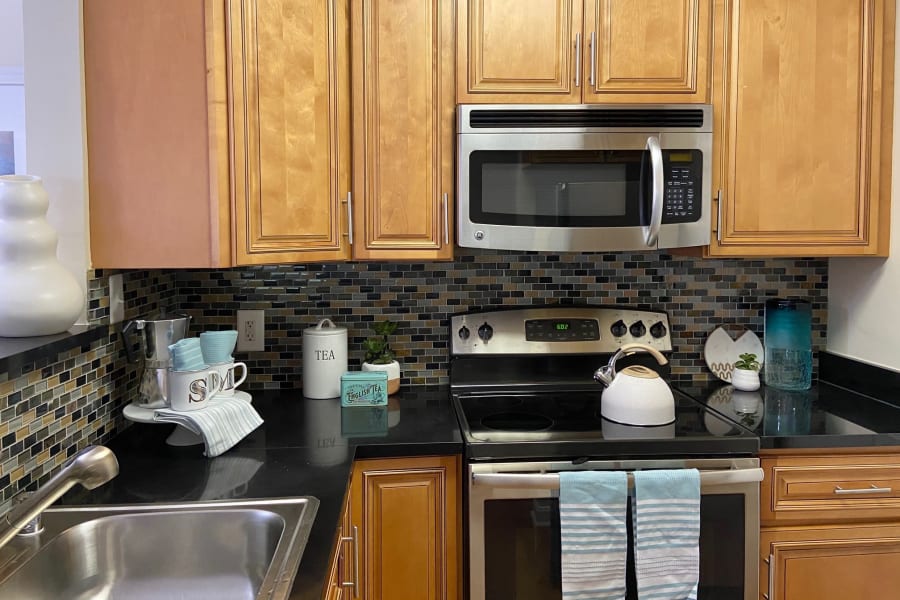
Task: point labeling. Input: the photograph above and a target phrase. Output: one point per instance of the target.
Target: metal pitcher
(158, 335)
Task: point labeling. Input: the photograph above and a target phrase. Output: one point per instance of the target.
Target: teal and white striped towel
(667, 534)
(593, 534)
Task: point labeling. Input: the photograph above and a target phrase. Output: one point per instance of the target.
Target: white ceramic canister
(324, 359)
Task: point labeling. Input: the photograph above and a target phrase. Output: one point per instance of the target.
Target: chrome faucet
(92, 467)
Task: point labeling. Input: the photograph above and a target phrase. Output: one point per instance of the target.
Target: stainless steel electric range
(522, 387)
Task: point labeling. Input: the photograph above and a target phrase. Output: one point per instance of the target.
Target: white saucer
(180, 436)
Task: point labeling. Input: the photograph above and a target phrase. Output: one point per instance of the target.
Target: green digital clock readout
(562, 326)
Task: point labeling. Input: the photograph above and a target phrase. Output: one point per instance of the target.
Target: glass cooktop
(568, 423)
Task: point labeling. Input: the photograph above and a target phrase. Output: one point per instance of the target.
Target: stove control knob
(485, 332)
(658, 330)
(464, 333)
(638, 329)
(619, 328)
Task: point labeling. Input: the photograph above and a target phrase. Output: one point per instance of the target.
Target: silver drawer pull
(869, 490)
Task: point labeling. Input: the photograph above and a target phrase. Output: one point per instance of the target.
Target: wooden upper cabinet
(289, 84)
(647, 50)
(403, 128)
(590, 51)
(407, 516)
(157, 138)
(803, 93)
(518, 51)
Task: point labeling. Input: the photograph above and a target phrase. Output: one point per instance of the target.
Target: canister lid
(324, 328)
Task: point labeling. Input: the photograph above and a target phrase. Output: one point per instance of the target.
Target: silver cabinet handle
(869, 490)
(350, 217)
(719, 215)
(578, 60)
(446, 219)
(656, 211)
(771, 562)
(593, 58)
(355, 583)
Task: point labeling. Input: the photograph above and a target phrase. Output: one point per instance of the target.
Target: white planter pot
(393, 372)
(745, 380)
(40, 296)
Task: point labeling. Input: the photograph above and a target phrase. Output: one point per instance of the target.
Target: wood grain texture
(518, 51)
(648, 50)
(857, 562)
(801, 95)
(403, 124)
(800, 489)
(149, 139)
(290, 100)
(407, 512)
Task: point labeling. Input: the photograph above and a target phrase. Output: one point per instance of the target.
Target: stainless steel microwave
(584, 178)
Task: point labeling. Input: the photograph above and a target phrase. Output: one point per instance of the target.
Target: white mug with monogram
(191, 390)
(230, 381)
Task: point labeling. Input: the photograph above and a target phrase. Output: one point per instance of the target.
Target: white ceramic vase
(393, 371)
(40, 297)
(745, 379)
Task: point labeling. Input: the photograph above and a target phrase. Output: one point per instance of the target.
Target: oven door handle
(658, 193)
(550, 481)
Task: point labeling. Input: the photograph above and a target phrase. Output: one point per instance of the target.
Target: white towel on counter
(593, 534)
(667, 534)
(222, 423)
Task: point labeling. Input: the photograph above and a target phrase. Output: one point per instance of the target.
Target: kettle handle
(607, 373)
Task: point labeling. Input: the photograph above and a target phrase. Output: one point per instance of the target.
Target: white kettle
(636, 395)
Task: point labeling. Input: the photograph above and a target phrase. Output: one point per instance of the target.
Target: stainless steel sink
(248, 549)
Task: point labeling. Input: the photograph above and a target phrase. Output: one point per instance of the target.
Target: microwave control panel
(683, 182)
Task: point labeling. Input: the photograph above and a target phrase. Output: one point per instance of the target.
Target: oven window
(522, 549)
(599, 188)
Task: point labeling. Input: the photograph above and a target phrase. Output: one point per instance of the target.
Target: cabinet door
(403, 128)
(157, 135)
(519, 51)
(407, 514)
(647, 50)
(831, 563)
(289, 84)
(802, 96)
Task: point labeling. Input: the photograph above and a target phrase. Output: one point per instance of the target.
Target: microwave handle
(656, 211)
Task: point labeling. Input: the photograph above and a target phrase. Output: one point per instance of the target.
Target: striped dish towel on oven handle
(666, 518)
(593, 534)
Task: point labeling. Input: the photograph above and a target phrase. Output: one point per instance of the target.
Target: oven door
(583, 192)
(514, 541)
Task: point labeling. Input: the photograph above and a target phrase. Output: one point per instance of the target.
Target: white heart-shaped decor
(721, 352)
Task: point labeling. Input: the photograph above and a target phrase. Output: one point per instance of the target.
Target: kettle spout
(604, 375)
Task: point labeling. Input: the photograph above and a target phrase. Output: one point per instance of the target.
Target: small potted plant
(746, 373)
(380, 356)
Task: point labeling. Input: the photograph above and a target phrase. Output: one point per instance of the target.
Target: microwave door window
(556, 188)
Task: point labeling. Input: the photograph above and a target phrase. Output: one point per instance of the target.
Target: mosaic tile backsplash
(55, 406)
(698, 295)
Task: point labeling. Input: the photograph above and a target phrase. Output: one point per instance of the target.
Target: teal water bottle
(788, 342)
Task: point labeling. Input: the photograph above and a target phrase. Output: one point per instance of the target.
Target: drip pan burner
(516, 421)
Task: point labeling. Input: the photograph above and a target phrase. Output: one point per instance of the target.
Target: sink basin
(229, 550)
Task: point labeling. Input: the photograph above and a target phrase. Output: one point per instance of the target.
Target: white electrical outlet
(251, 326)
(116, 299)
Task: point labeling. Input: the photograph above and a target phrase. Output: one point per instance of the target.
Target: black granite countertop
(305, 448)
(825, 416)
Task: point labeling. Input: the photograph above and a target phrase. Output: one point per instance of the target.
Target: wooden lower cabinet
(407, 515)
(340, 573)
(830, 525)
(840, 562)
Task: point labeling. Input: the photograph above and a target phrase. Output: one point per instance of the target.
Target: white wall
(12, 82)
(864, 293)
